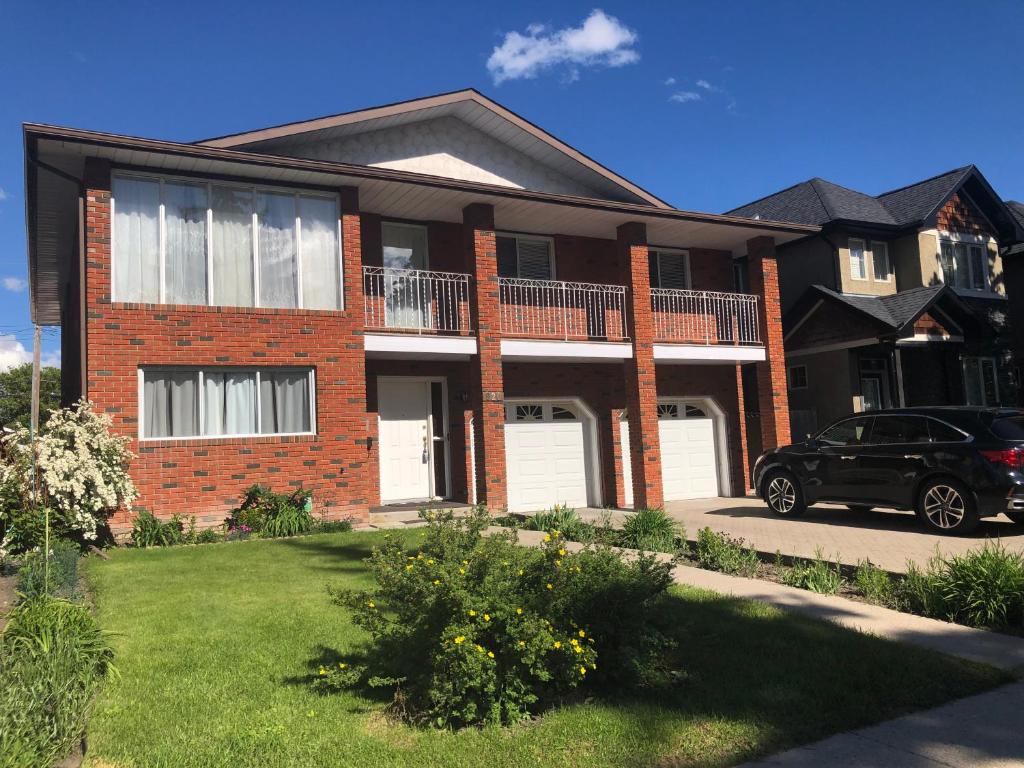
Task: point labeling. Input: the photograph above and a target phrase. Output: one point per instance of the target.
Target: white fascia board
(413, 346)
(699, 353)
(582, 351)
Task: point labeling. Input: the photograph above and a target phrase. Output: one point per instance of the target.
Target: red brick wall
(773, 395)
(205, 477)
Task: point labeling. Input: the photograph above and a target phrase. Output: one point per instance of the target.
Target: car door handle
(913, 456)
(847, 458)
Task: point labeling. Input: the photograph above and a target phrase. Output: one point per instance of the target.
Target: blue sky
(707, 104)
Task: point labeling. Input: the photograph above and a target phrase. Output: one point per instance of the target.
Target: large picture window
(226, 402)
(204, 243)
(964, 265)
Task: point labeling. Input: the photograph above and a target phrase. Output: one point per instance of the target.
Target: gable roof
(1017, 209)
(820, 202)
(473, 108)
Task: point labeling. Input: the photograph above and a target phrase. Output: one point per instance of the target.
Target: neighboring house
(899, 300)
(1013, 279)
(429, 300)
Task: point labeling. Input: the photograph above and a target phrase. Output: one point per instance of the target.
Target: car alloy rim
(781, 495)
(944, 506)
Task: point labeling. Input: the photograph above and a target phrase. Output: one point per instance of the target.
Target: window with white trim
(226, 402)
(964, 264)
(858, 261)
(981, 385)
(798, 377)
(180, 241)
(525, 256)
(669, 268)
(880, 264)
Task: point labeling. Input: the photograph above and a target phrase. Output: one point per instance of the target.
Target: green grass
(215, 645)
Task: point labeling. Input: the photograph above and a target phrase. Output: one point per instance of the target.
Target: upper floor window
(525, 256)
(177, 241)
(404, 245)
(222, 402)
(964, 264)
(669, 268)
(858, 261)
(880, 263)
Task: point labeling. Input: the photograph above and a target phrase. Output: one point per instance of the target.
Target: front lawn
(216, 644)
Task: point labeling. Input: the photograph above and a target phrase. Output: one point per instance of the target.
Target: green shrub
(818, 575)
(917, 592)
(563, 519)
(334, 526)
(52, 658)
(271, 514)
(984, 588)
(873, 583)
(721, 552)
(651, 530)
(63, 571)
(471, 629)
(208, 536)
(149, 531)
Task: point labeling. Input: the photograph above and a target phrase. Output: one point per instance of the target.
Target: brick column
(772, 396)
(741, 423)
(641, 389)
(487, 395)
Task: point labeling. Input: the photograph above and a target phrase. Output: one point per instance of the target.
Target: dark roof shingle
(915, 202)
(895, 310)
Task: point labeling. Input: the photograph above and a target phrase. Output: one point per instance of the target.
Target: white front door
(545, 456)
(405, 440)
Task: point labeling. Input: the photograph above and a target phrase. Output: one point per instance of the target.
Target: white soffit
(529, 350)
(697, 353)
(418, 347)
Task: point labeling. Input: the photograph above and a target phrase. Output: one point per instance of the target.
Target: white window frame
(863, 258)
(977, 360)
(874, 264)
(517, 236)
(199, 372)
(791, 378)
(407, 225)
(254, 189)
(672, 252)
(968, 240)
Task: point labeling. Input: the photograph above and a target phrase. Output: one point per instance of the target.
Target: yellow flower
(343, 665)
(558, 563)
(460, 640)
(480, 648)
(487, 617)
(436, 582)
(419, 556)
(593, 665)
(547, 537)
(519, 611)
(371, 604)
(465, 562)
(550, 586)
(562, 552)
(574, 641)
(583, 670)
(556, 533)
(323, 671)
(557, 644)
(410, 557)
(462, 570)
(430, 562)
(472, 612)
(582, 633)
(577, 649)
(408, 567)
(520, 571)
(491, 654)
(522, 644)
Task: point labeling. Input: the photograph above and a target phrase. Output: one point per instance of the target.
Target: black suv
(952, 465)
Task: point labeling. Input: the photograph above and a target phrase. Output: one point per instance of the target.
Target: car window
(1009, 429)
(943, 433)
(849, 432)
(899, 429)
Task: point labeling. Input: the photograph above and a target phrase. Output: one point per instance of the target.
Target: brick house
(428, 300)
(899, 300)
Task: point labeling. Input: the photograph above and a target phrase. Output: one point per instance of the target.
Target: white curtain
(185, 207)
(136, 240)
(232, 247)
(278, 262)
(284, 402)
(229, 403)
(321, 281)
(171, 405)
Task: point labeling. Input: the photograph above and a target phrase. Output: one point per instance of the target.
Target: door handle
(913, 456)
(847, 458)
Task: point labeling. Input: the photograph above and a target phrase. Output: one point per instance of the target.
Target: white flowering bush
(82, 468)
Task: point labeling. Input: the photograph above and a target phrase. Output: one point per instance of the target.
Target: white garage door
(689, 465)
(545, 456)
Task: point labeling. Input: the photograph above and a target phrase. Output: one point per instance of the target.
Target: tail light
(1011, 458)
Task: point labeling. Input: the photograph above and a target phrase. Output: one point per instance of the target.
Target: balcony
(416, 300)
(705, 325)
(553, 309)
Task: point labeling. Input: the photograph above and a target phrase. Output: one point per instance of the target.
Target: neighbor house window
(798, 377)
(202, 243)
(669, 268)
(980, 384)
(964, 265)
(527, 257)
(858, 264)
(880, 261)
(226, 402)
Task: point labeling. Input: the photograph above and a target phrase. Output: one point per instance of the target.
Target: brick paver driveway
(888, 539)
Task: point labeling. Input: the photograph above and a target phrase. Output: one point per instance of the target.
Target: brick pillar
(641, 389)
(741, 423)
(773, 401)
(487, 381)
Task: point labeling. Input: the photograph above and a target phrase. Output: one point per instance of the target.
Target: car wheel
(946, 506)
(783, 494)
(861, 508)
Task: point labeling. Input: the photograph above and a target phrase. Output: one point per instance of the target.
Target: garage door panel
(546, 464)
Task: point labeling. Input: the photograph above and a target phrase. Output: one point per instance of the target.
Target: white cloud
(15, 284)
(682, 97)
(670, 81)
(12, 352)
(705, 85)
(50, 358)
(601, 40)
(3, 195)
